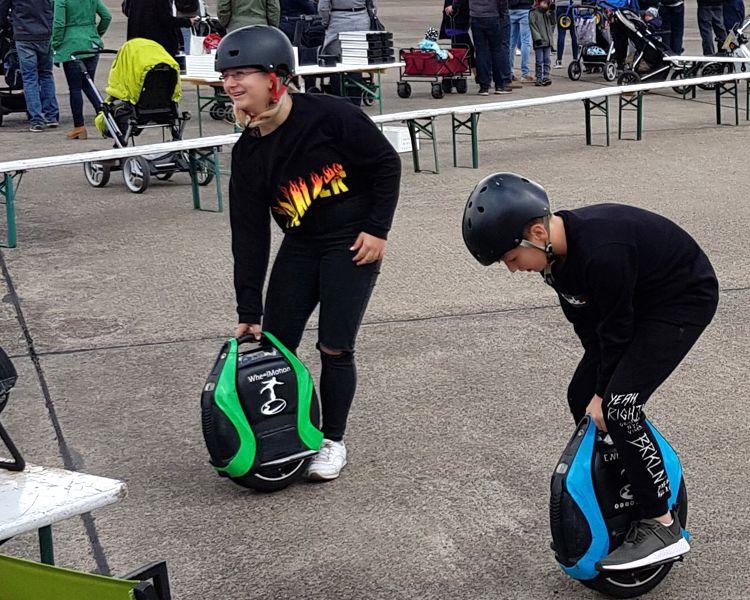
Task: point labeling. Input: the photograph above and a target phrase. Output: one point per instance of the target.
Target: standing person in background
(486, 29)
(561, 8)
(711, 24)
(291, 11)
(32, 30)
(153, 20)
(75, 29)
(542, 25)
(234, 14)
(672, 14)
(455, 26)
(342, 15)
(189, 9)
(619, 34)
(520, 32)
(734, 12)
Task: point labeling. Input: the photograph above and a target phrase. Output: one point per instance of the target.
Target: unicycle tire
(275, 479)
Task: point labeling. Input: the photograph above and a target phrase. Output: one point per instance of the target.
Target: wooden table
(38, 497)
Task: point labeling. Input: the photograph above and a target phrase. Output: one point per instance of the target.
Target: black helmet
(258, 46)
(496, 213)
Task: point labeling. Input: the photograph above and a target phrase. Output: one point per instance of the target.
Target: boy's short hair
(530, 224)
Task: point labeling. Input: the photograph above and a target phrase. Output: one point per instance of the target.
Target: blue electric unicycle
(591, 509)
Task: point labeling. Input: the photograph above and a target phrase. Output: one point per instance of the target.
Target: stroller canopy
(133, 61)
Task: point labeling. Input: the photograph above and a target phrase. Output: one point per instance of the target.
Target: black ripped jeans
(654, 352)
(308, 272)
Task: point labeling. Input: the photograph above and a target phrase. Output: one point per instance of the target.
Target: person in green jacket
(542, 25)
(75, 29)
(234, 14)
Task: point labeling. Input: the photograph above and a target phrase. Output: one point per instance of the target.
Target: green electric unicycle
(260, 414)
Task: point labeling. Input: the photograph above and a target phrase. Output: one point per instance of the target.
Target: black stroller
(650, 51)
(11, 96)
(596, 50)
(143, 91)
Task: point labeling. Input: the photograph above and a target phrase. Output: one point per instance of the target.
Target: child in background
(430, 44)
(542, 25)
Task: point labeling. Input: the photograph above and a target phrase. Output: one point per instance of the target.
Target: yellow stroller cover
(132, 62)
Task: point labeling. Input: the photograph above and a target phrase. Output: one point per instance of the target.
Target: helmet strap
(547, 249)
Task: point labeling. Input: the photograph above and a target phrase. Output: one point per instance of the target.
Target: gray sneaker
(648, 542)
(37, 127)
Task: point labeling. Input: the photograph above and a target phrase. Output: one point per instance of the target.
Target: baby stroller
(650, 51)
(425, 66)
(735, 45)
(595, 45)
(143, 90)
(11, 96)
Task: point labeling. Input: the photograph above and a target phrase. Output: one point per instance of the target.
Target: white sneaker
(558, 65)
(518, 52)
(328, 462)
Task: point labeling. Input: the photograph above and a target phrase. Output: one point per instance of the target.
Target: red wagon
(425, 66)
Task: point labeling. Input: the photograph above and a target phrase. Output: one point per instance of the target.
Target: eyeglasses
(238, 75)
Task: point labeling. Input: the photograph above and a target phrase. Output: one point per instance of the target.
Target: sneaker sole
(673, 551)
(314, 476)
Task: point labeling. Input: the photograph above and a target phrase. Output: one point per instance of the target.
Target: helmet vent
(480, 209)
(524, 180)
(234, 52)
(468, 223)
(483, 190)
(470, 203)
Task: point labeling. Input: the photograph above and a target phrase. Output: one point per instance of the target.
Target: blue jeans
(559, 11)
(711, 18)
(35, 60)
(673, 18)
(488, 47)
(519, 30)
(543, 63)
(77, 84)
(734, 12)
(506, 66)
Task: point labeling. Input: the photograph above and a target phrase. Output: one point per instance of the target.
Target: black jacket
(32, 19)
(520, 4)
(153, 20)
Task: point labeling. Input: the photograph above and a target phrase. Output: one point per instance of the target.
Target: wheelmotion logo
(267, 374)
(273, 405)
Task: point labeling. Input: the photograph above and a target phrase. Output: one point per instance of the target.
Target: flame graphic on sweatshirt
(298, 195)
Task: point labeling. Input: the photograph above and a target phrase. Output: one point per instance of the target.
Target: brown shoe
(514, 86)
(79, 133)
(528, 79)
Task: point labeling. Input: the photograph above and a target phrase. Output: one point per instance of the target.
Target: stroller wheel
(574, 70)
(447, 85)
(368, 100)
(403, 89)
(203, 174)
(461, 85)
(610, 71)
(218, 111)
(565, 22)
(136, 173)
(680, 89)
(96, 174)
(437, 91)
(710, 70)
(628, 78)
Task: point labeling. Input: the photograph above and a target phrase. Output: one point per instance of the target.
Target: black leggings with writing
(654, 352)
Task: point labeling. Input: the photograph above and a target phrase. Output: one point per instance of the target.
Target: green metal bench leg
(427, 129)
(8, 187)
(471, 124)
(603, 107)
(631, 104)
(46, 549)
(210, 160)
(722, 89)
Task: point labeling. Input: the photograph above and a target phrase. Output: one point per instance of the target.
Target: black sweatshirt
(326, 172)
(626, 265)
